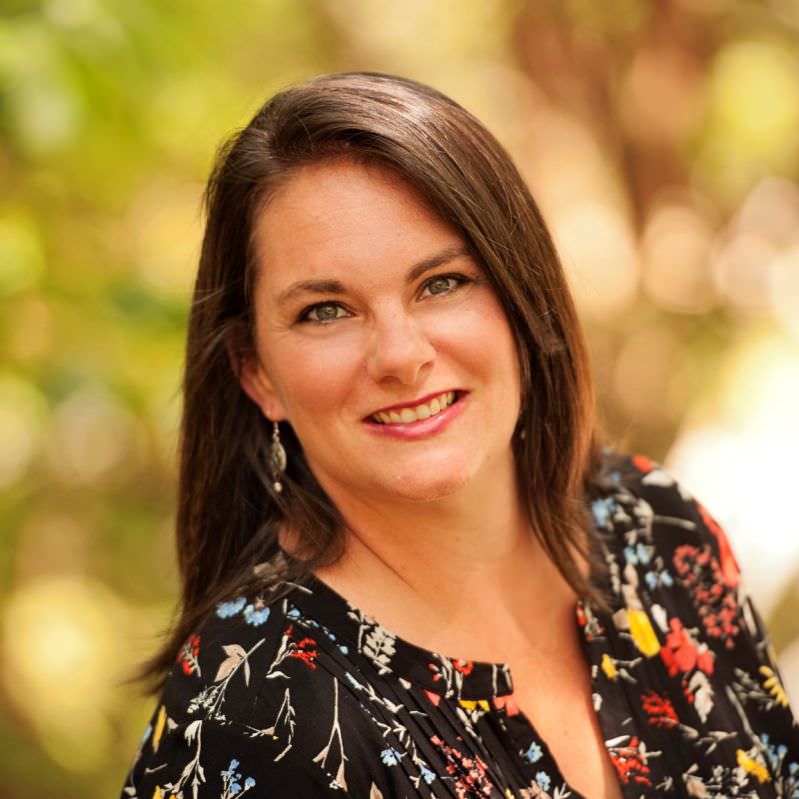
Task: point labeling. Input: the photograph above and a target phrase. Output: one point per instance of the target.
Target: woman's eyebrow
(311, 287)
(337, 287)
(439, 259)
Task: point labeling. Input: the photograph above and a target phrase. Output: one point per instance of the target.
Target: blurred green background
(660, 138)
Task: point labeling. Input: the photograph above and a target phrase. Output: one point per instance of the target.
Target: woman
(388, 452)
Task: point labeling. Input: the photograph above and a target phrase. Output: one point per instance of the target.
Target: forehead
(342, 214)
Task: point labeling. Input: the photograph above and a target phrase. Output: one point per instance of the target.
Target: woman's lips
(413, 411)
(421, 428)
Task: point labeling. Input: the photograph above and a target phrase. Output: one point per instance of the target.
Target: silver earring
(277, 459)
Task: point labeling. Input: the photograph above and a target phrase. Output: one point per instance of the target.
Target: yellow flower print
(642, 632)
(160, 722)
(609, 668)
(751, 766)
(773, 685)
(473, 704)
(157, 793)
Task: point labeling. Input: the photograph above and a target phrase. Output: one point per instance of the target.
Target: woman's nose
(399, 350)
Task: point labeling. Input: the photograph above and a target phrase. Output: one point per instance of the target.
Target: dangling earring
(277, 459)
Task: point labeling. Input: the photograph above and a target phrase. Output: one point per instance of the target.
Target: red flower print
(630, 762)
(508, 702)
(463, 666)
(729, 566)
(681, 654)
(714, 598)
(469, 773)
(434, 698)
(304, 653)
(303, 650)
(660, 710)
(187, 656)
(642, 463)
(588, 622)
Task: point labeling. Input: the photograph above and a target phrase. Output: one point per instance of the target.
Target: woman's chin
(429, 486)
(420, 479)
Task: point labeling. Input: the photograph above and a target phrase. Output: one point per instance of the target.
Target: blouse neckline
(441, 675)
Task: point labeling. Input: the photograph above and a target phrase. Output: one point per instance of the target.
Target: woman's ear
(252, 375)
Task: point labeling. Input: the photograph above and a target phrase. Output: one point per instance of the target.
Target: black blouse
(306, 696)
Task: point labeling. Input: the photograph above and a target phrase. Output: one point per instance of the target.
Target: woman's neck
(435, 572)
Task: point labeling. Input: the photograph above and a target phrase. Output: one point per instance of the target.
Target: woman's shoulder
(632, 492)
(244, 683)
(657, 534)
(638, 475)
(243, 656)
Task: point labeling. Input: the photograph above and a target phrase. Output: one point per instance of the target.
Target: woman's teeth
(423, 411)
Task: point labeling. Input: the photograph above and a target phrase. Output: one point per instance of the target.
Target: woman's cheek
(321, 371)
(476, 331)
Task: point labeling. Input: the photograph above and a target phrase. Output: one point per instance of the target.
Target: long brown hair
(228, 514)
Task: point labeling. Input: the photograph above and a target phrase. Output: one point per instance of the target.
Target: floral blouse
(306, 696)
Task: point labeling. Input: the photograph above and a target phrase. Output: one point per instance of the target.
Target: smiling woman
(388, 453)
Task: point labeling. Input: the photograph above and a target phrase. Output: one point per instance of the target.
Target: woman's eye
(323, 312)
(442, 284)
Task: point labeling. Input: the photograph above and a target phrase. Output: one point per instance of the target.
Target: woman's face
(379, 338)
